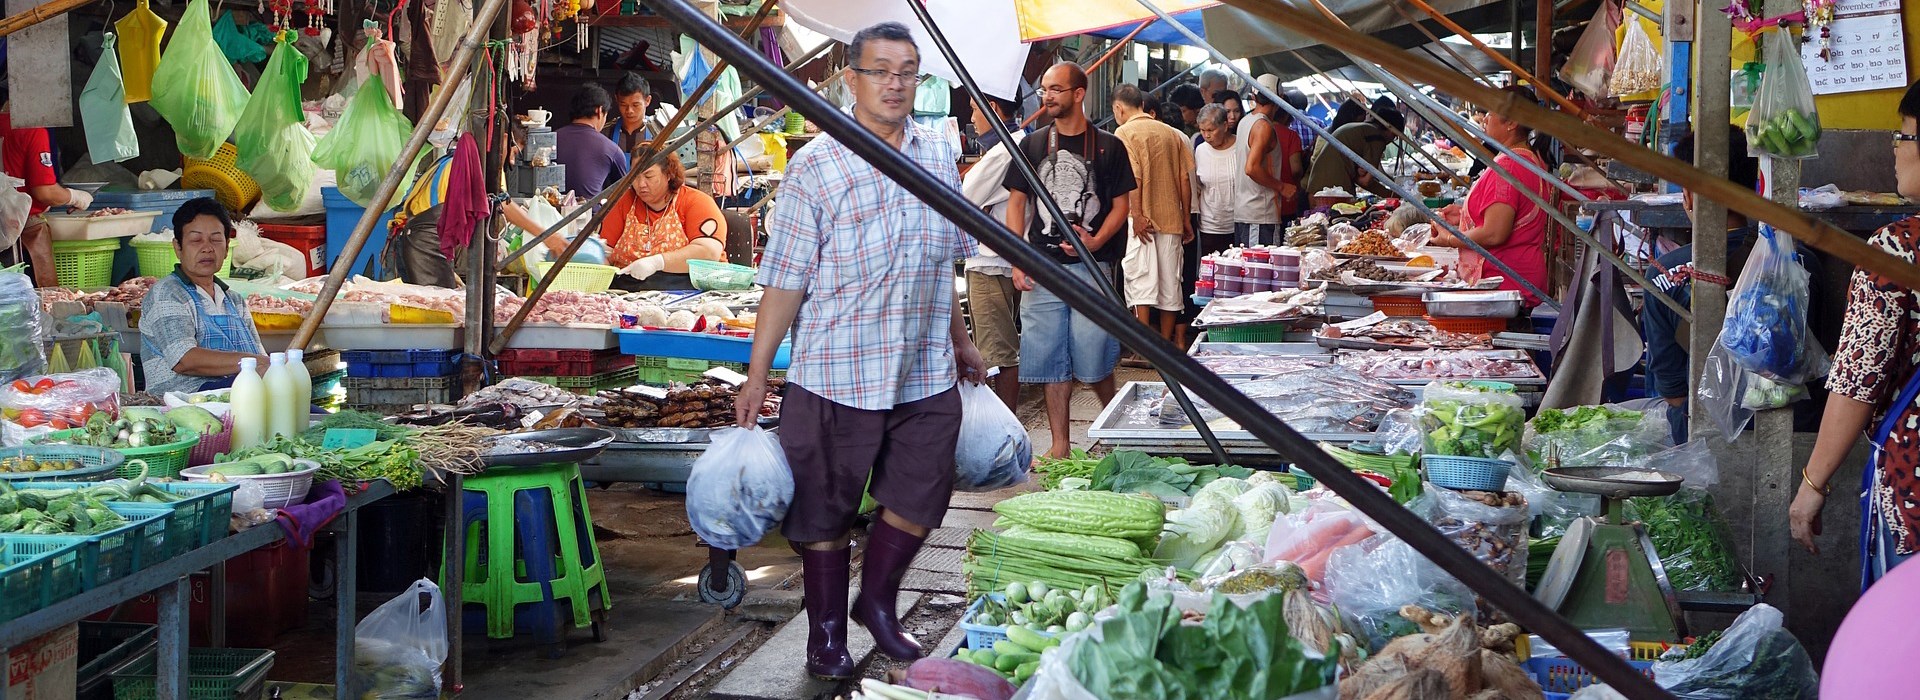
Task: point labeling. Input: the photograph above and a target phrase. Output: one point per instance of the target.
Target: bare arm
(1840, 426)
(1142, 226)
(778, 308)
(1260, 142)
(50, 195)
(702, 248)
(1017, 223)
(1110, 227)
(201, 362)
(1496, 226)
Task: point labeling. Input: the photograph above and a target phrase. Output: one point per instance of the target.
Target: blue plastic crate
(432, 357)
(695, 346)
(34, 576)
(434, 369)
(164, 201)
(402, 371)
(1561, 677)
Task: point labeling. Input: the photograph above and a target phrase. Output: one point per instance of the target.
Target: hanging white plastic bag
(103, 110)
(994, 451)
(1783, 122)
(1756, 657)
(1766, 331)
(1637, 68)
(1723, 383)
(1591, 63)
(740, 488)
(398, 649)
(15, 208)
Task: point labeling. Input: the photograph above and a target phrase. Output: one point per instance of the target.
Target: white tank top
(1252, 203)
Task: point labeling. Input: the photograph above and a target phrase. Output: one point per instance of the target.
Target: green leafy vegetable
(1470, 420)
(1132, 471)
(1693, 541)
(1236, 654)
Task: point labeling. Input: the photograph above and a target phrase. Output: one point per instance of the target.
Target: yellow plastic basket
(271, 321)
(405, 314)
(235, 189)
(578, 277)
(157, 259)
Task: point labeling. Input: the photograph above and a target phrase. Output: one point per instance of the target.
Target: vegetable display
(1131, 471)
(73, 511)
(1100, 513)
(1054, 472)
(994, 561)
(1034, 615)
(1403, 470)
(1152, 648)
(1694, 543)
(393, 460)
(27, 464)
(1472, 419)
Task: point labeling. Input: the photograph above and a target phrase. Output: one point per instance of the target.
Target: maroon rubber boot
(889, 551)
(826, 577)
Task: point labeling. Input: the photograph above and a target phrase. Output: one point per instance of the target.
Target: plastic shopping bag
(739, 489)
(275, 146)
(1755, 658)
(398, 649)
(195, 88)
(37, 405)
(1591, 64)
(1723, 383)
(1783, 123)
(103, 110)
(1472, 419)
(994, 451)
(1766, 327)
(21, 354)
(1370, 581)
(15, 208)
(366, 141)
(1637, 68)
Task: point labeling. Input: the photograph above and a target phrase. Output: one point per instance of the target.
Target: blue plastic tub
(695, 346)
(164, 201)
(342, 215)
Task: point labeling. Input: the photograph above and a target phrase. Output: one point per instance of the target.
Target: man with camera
(1087, 171)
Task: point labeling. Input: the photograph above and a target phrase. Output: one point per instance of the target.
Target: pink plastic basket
(211, 446)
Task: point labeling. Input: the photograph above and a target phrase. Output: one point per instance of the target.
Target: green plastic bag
(239, 46)
(364, 143)
(275, 146)
(103, 110)
(195, 89)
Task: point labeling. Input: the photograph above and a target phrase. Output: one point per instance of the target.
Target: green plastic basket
(578, 277)
(159, 461)
(98, 462)
(34, 576)
(710, 275)
(212, 674)
(157, 259)
(84, 264)
(1252, 333)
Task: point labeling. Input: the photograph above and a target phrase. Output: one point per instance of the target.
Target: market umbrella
(1051, 19)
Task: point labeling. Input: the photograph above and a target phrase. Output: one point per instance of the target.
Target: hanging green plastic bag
(365, 142)
(236, 44)
(275, 146)
(103, 110)
(195, 88)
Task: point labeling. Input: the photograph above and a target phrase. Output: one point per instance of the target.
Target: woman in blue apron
(193, 330)
(1874, 384)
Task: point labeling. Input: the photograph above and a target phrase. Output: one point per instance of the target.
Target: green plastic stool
(523, 552)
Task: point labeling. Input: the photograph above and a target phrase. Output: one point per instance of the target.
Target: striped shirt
(876, 264)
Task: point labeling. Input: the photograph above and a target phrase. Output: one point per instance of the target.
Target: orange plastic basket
(1468, 325)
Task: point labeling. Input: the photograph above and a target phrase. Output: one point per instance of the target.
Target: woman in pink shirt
(1499, 216)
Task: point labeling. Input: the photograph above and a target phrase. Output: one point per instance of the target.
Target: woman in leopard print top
(1873, 384)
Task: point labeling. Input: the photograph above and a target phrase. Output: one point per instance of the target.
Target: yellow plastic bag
(140, 34)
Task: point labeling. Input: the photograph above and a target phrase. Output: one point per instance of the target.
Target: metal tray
(1538, 380)
(661, 436)
(1493, 304)
(585, 444)
(1201, 346)
(1113, 428)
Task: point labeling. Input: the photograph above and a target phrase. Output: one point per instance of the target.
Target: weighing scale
(1605, 573)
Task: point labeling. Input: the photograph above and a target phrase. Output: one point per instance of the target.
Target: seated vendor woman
(193, 330)
(1498, 216)
(658, 225)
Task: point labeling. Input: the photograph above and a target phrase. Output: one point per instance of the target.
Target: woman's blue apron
(1876, 554)
(230, 331)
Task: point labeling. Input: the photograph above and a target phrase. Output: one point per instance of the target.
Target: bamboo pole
(560, 261)
(1569, 128)
(462, 63)
(40, 13)
(1544, 89)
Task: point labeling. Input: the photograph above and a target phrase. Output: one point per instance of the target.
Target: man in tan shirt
(1163, 165)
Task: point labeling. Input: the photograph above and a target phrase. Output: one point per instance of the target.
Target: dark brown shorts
(833, 449)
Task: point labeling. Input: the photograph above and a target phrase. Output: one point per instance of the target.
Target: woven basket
(235, 189)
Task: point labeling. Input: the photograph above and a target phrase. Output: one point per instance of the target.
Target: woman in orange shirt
(658, 225)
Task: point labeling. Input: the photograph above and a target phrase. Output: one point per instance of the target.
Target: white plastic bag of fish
(740, 488)
(994, 451)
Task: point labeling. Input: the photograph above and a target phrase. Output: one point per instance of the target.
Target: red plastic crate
(553, 355)
(311, 241)
(566, 368)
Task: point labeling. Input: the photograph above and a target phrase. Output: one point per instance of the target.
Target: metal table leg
(171, 655)
(346, 589)
(217, 605)
(455, 567)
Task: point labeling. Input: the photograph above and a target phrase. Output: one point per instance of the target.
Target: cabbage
(1261, 476)
(1258, 507)
(1225, 489)
(1195, 531)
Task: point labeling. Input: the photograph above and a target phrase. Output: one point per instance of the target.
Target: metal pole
(1366, 497)
(1398, 135)
(462, 63)
(1019, 161)
(754, 130)
(1569, 128)
(1538, 86)
(588, 206)
(1408, 197)
(687, 107)
(1466, 66)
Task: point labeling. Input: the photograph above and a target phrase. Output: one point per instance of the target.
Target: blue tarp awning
(1159, 32)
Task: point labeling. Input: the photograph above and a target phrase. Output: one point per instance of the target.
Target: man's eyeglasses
(1057, 89)
(1899, 137)
(887, 77)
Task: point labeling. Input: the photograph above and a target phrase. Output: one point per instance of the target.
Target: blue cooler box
(342, 214)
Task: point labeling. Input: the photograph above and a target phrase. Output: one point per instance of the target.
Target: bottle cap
(249, 363)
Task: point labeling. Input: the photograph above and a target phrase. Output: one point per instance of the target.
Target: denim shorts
(1059, 344)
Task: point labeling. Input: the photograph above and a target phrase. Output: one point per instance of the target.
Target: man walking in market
(861, 272)
(1088, 173)
(1163, 167)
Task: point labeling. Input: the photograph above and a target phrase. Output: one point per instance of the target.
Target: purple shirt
(592, 161)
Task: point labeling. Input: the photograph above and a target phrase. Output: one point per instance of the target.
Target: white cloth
(1252, 202)
(983, 186)
(1153, 271)
(1214, 173)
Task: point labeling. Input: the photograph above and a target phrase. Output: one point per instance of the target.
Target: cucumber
(1024, 672)
(1008, 662)
(1028, 639)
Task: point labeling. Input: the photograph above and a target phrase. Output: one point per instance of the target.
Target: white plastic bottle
(280, 419)
(301, 403)
(249, 405)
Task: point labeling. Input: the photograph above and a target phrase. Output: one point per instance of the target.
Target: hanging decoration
(1819, 16)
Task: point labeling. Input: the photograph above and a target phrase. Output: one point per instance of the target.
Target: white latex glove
(645, 267)
(79, 200)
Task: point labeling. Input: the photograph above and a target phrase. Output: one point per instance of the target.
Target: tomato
(32, 417)
(22, 386)
(59, 423)
(44, 384)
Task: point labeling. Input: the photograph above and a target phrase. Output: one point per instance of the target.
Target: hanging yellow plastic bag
(275, 146)
(195, 88)
(103, 111)
(365, 142)
(140, 34)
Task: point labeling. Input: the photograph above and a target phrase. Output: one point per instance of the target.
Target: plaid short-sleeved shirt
(876, 264)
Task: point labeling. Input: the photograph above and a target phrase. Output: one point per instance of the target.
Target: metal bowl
(582, 444)
(1616, 482)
